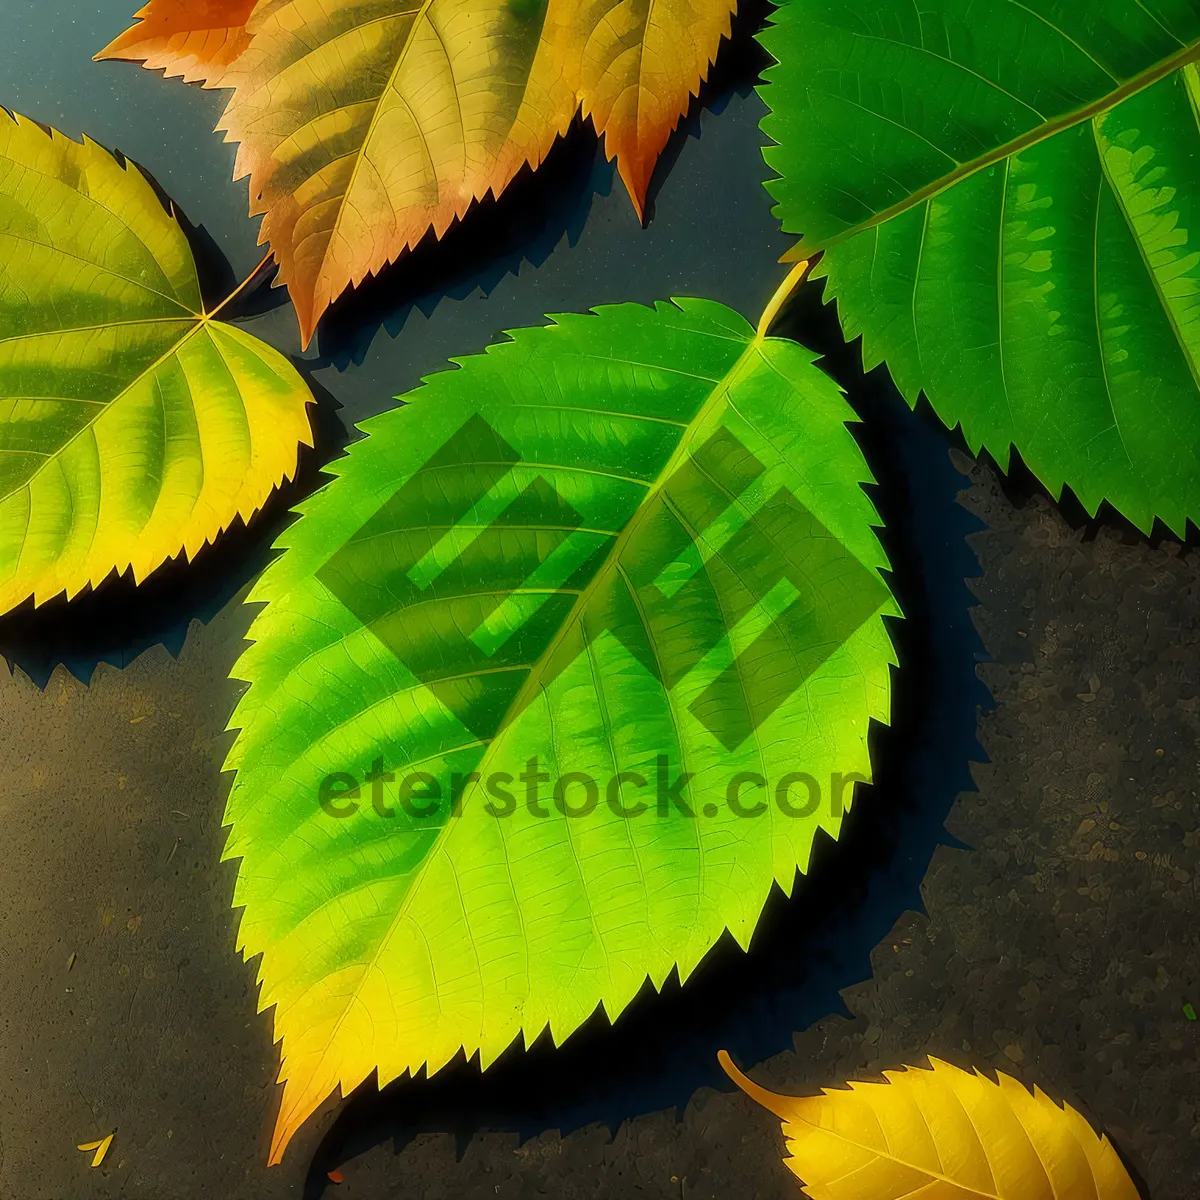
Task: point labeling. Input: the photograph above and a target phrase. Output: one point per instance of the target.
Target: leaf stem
(782, 294)
(241, 287)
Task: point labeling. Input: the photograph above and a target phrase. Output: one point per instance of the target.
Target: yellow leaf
(941, 1134)
(364, 124)
(100, 1147)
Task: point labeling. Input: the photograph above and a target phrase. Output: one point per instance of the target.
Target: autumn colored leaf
(942, 1133)
(638, 65)
(98, 1149)
(197, 39)
(364, 125)
(133, 426)
(633, 547)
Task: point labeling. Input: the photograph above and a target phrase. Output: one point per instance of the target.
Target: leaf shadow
(809, 948)
(1021, 487)
(495, 239)
(738, 68)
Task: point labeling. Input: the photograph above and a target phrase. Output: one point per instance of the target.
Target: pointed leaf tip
(198, 41)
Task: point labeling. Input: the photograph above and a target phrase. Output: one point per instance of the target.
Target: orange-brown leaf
(640, 65)
(362, 127)
(197, 39)
(365, 124)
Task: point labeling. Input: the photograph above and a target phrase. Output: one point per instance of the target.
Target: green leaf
(1007, 198)
(630, 542)
(133, 427)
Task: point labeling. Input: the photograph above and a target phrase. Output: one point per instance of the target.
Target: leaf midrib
(888, 1156)
(1024, 141)
(360, 154)
(719, 395)
(422, 15)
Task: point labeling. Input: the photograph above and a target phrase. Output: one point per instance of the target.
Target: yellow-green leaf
(133, 426)
(942, 1134)
(633, 547)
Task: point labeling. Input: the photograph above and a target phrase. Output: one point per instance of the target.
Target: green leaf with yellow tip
(133, 426)
(612, 554)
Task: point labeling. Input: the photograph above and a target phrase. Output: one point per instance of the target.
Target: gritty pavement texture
(1060, 945)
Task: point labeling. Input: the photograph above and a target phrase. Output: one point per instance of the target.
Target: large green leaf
(133, 426)
(1007, 196)
(635, 541)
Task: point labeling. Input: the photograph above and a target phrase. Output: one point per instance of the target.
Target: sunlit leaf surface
(196, 39)
(630, 548)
